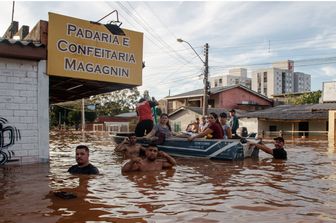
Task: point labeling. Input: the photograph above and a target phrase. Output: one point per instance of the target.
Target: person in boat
(225, 126)
(83, 164)
(203, 124)
(278, 152)
(130, 147)
(162, 129)
(145, 116)
(234, 123)
(213, 131)
(155, 160)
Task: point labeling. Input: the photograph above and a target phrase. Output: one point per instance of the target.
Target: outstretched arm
(132, 165)
(169, 162)
(121, 147)
(262, 147)
(202, 134)
(150, 134)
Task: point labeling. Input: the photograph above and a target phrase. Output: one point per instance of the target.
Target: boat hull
(231, 149)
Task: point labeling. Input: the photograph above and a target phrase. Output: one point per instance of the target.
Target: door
(303, 126)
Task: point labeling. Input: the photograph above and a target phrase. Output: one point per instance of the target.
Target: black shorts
(145, 126)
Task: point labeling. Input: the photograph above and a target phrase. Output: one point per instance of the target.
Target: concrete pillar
(332, 125)
(43, 110)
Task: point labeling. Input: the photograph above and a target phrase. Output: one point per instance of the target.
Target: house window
(177, 126)
(272, 128)
(220, 80)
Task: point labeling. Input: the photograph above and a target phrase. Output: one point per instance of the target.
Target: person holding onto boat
(130, 147)
(83, 164)
(278, 152)
(155, 160)
(162, 129)
(234, 123)
(225, 126)
(213, 131)
(145, 116)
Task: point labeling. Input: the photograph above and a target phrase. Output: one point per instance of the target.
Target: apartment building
(280, 79)
(302, 82)
(235, 76)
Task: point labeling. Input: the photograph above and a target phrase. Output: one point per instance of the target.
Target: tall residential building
(301, 82)
(235, 76)
(279, 79)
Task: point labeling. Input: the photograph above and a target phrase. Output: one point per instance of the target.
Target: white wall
(24, 104)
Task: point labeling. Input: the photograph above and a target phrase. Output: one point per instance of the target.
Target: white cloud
(238, 34)
(329, 71)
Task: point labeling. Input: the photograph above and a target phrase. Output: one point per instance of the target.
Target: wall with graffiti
(24, 117)
(8, 136)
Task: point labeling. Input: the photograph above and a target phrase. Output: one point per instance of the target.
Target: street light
(206, 72)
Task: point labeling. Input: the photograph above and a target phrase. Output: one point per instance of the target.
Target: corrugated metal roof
(294, 112)
(21, 43)
(199, 110)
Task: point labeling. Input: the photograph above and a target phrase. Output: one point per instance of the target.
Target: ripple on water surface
(301, 189)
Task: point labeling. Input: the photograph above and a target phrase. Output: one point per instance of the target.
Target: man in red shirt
(145, 117)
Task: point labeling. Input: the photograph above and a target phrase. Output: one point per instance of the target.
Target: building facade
(302, 82)
(280, 79)
(235, 76)
(237, 97)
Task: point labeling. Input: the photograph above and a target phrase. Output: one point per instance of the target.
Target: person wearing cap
(226, 127)
(234, 124)
(278, 152)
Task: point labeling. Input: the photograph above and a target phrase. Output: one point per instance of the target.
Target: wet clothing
(234, 124)
(217, 130)
(224, 131)
(280, 154)
(159, 129)
(144, 111)
(89, 169)
(145, 124)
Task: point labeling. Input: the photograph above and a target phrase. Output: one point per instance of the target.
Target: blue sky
(249, 34)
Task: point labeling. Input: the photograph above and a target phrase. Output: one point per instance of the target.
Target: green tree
(116, 102)
(307, 98)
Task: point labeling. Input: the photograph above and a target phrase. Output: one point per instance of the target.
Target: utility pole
(205, 80)
(205, 73)
(83, 115)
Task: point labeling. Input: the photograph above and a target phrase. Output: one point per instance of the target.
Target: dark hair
(223, 115)
(83, 147)
(168, 124)
(232, 110)
(215, 116)
(152, 144)
(279, 138)
(141, 100)
(130, 135)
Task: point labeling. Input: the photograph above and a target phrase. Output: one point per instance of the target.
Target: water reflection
(301, 189)
(79, 209)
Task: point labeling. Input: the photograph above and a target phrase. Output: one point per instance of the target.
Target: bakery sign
(87, 50)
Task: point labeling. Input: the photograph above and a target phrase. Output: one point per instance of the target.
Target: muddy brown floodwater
(301, 189)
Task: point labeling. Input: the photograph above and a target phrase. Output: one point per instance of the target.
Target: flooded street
(301, 189)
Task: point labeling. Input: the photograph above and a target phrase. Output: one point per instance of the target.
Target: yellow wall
(84, 50)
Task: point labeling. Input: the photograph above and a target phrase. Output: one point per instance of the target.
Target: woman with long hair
(213, 131)
(162, 128)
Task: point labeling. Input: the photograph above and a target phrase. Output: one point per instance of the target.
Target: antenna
(13, 11)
